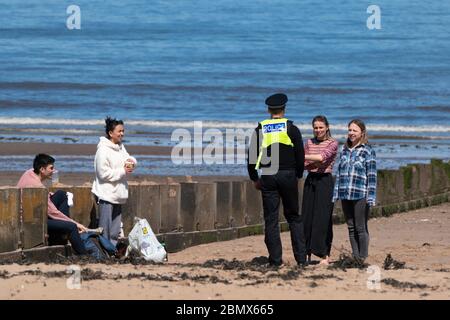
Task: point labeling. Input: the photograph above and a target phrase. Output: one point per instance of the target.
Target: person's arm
(371, 169)
(313, 158)
(336, 185)
(128, 155)
(104, 170)
(55, 214)
(328, 153)
(306, 149)
(252, 155)
(128, 158)
(299, 151)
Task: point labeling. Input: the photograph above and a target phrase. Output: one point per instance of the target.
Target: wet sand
(10, 178)
(26, 148)
(420, 239)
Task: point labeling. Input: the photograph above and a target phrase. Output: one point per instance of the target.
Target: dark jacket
(290, 157)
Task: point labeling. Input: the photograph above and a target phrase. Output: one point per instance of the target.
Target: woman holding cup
(112, 165)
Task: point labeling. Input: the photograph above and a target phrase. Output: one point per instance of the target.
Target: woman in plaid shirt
(355, 186)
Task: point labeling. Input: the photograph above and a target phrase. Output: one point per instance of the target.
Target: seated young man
(58, 223)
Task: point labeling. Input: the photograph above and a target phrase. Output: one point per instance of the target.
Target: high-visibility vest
(273, 131)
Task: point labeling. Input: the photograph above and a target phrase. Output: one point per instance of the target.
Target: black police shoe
(275, 263)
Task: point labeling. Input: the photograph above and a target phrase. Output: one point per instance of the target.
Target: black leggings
(356, 214)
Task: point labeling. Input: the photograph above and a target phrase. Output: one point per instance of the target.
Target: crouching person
(59, 222)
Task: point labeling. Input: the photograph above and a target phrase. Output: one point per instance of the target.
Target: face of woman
(354, 134)
(320, 130)
(117, 134)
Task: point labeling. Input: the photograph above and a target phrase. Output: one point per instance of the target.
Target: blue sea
(160, 65)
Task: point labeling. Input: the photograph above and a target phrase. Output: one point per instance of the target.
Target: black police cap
(277, 101)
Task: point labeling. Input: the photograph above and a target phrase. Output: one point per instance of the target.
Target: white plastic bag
(143, 240)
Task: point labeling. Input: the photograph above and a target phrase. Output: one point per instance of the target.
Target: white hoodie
(110, 177)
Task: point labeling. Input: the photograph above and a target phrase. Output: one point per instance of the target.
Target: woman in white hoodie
(112, 165)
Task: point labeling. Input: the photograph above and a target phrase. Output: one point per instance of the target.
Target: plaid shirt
(356, 176)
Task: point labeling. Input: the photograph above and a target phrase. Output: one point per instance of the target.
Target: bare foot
(325, 261)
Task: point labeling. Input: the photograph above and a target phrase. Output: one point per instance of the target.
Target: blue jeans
(57, 229)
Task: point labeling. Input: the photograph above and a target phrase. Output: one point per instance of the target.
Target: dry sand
(419, 238)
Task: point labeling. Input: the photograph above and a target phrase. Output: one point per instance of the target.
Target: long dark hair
(323, 119)
(364, 139)
(111, 124)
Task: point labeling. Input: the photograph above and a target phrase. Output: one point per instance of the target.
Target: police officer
(276, 147)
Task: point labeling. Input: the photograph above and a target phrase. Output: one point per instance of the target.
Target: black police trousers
(284, 185)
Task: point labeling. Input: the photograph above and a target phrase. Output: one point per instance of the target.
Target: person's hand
(371, 202)
(81, 228)
(129, 165)
(257, 184)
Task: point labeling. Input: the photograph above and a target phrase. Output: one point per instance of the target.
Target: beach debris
(88, 274)
(224, 264)
(260, 264)
(247, 276)
(4, 274)
(254, 283)
(289, 275)
(259, 261)
(403, 284)
(323, 277)
(392, 264)
(426, 244)
(348, 262)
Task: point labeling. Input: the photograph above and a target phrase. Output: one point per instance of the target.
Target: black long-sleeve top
(290, 157)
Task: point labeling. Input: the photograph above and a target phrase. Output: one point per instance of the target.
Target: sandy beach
(420, 239)
(190, 81)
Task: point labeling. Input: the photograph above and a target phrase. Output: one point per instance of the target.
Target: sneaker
(98, 230)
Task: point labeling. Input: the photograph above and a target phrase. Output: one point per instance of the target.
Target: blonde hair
(364, 138)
